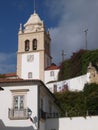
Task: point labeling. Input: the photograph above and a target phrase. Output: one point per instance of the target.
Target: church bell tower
(33, 54)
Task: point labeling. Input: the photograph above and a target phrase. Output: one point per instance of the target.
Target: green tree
(91, 95)
(2, 76)
(77, 64)
(78, 103)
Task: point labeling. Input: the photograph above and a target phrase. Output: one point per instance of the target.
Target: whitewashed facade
(31, 66)
(74, 84)
(75, 123)
(26, 103)
(33, 54)
(51, 75)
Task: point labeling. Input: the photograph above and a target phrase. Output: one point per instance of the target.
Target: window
(34, 44)
(29, 75)
(18, 102)
(52, 73)
(19, 109)
(27, 46)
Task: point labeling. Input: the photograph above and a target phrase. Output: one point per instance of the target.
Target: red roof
(10, 75)
(53, 67)
(9, 80)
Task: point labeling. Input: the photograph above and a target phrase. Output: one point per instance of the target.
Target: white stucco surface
(32, 66)
(49, 78)
(74, 84)
(76, 123)
(77, 83)
(6, 101)
(31, 100)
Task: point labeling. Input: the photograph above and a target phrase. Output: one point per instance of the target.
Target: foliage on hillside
(2, 76)
(77, 64)
(79, 103)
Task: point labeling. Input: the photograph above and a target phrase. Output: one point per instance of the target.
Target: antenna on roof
(34, 6)
(86, 39)
(63, 54)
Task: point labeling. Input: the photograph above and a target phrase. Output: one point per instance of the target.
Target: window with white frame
(19, 109)
(19, 99)
(18, 102)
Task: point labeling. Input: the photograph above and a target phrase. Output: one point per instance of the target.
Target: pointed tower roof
(33, 24)
(34, 20)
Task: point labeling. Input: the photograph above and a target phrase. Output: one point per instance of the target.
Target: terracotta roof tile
(17, 80)
(53, 67)
(10, 75)
(3, 80)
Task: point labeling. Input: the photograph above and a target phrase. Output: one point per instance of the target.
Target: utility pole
(63, 54)
(86, 39)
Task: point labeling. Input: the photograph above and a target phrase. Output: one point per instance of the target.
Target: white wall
(77, 83)
(30, 66)
(76, 123)
(74, 84)
(6, 103)
(49, 78)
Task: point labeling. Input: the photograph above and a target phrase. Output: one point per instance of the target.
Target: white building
(25, 102)
(33, 56)
(76, 83)
(51, 73)
(73, 84)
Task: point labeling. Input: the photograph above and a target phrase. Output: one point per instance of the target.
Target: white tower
(33, 54)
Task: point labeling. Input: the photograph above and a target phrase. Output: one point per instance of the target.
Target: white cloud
(74, 16)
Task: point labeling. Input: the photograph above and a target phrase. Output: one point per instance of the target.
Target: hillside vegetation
(79, 103)
(77, 64)
(2, 76)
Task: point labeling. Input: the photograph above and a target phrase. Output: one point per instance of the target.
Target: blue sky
(66, 19)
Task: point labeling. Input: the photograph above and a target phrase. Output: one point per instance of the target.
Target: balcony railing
(52, 115)
(45, 115)
(19, 114)
(42, 114)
